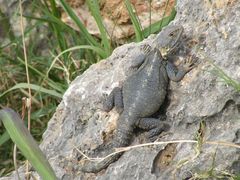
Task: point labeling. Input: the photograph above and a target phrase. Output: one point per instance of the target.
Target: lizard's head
(168, 40)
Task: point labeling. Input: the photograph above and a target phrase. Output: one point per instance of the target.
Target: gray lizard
(143, 93)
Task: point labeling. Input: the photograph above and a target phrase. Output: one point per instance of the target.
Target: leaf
(156, 27)
(33, 87)
(94, 8)
(135, 21)
(4, 138)
(26, 144)
(81, 26)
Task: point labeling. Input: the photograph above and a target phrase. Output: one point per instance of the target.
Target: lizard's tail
(122, 138)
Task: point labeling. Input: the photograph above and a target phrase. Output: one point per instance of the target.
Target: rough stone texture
(79, 120)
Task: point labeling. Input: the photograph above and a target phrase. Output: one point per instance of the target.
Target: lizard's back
(145, 90)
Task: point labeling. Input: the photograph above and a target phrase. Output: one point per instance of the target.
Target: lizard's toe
(153, 133)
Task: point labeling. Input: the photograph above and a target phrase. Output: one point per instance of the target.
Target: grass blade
(55, 28)
(227, 79)
(96, 49)
(135, 21)
(156, 27)
(221, 74)
(25, 142)
(33, 87)
(81, 26)
(164, 13)
(94, 8)
(50, 82)
(4, 138)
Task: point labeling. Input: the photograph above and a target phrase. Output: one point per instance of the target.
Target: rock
(200, 96)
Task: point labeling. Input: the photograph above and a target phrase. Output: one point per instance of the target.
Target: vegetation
(26, 143)
(33, 81)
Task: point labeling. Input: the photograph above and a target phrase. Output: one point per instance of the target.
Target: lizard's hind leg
(153, 125)
(115, 98)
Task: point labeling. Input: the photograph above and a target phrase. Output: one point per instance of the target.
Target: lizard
(143, 93)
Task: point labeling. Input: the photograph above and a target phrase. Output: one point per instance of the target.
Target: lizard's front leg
(115, 98)
(140, 59)
(177, 74)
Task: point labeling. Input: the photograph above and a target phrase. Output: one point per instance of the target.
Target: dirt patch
(115, 15)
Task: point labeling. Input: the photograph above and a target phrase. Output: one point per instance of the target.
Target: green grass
(135, 21)
(26, 144)
(221, 74)
(232, 83)
(68, 53)
(227, 79)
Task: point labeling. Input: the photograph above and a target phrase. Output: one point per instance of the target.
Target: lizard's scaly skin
(143, 93)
